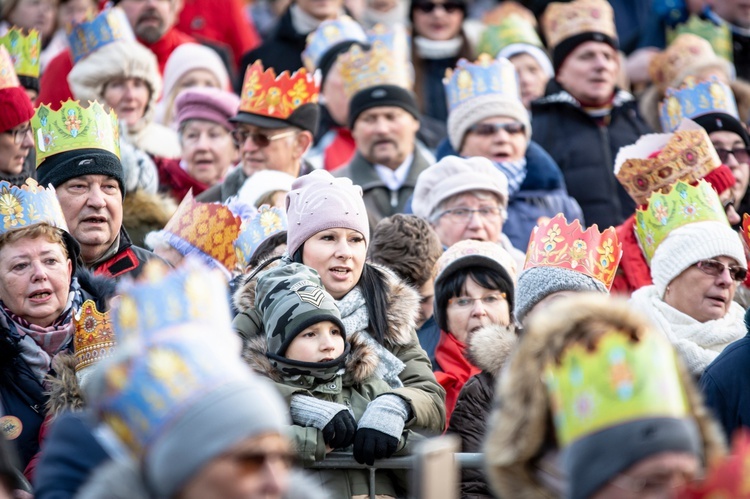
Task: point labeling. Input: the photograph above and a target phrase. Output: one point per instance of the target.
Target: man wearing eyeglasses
(16, 141)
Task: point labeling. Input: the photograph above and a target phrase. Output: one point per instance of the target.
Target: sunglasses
(741, 154)
(715, 268)
(487, 129)
(259, 139)
(449, 7)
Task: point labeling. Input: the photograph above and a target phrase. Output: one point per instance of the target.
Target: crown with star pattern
(331, 33)
(256, 229)
(486, 76)
(27, 205)
(94, 339)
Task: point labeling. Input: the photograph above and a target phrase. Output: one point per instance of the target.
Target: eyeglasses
(465, 303)
(259, 139)
(715, 268)
(18, 134)
(741, 154)
(487, 129)
(465, 214)
(251, 462)
(449, 7)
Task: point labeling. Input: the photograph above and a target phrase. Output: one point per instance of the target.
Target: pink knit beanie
(209, 104)
(319, 201)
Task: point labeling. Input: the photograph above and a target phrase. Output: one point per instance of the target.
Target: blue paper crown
(255, 230)
(328, 34)
(695, 99)
(486, 76)
(89, 36)
(29, 205)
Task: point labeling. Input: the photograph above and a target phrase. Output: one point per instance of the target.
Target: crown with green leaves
(24, 50)
(718, 35)
(513, 29)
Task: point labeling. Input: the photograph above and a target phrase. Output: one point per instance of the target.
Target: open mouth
(40, 295)
(327, 359)
(340, 271)
(718, 300)
(95, 220)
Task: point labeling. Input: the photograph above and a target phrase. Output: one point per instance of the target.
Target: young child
(336, 400)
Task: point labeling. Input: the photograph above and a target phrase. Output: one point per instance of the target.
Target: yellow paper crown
(74, 127)
(618, 381)
(683, 52)
(565, 20)
(513, 29)
(24, 51)
(695, 99)
(684, 204)
(8, 78)
(94, 338)
(266, 94)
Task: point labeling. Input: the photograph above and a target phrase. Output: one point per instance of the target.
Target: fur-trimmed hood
(520, 429)
(63, 391)
(490, 347)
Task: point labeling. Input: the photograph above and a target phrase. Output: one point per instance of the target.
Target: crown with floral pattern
(330, 33)
(89, 36)
(745, 232)
(8, 77)
(686, 155)
(555, 243)
(684, 204)
(266, 94)
(681, 53)
(27, 205)
(74, 127)
(616, 381)
(24, 51)
(486, 76)
(694, 99)
(718, 35)
(94, 338)
(512, 29)
(266, 222)
(565, 20)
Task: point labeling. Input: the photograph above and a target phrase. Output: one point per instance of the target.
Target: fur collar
(63, 391)
(490, 347)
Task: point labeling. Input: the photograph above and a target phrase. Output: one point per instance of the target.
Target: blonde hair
(51, 234)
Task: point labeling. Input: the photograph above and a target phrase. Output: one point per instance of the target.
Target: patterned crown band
(567, 246)
(694, 99)
(267, 222)
(328, 34)
(8, 77)
(28, 205)
(266, 94)
(565, 20)
(684, 51)
(718, 35)
(513, 29)
(24, 51)
(94, 338)
(89, 36)
(486, 76)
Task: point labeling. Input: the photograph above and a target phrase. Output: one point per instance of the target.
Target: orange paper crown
(8, 77)
(685, 51)
(746, 232)
(556, 243)
(506, 9)
(565, 20)
(728, 478)
(94, 337)
(274, 96)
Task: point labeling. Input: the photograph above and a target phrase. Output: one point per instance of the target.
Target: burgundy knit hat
(15, 108)
(209, 104)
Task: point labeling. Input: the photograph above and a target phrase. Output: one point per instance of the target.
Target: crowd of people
(237, 237)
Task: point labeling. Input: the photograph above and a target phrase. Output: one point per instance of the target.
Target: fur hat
(482, 107)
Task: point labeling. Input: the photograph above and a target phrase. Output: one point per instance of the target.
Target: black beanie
(563, 49)
(380, 96)
(29, 82)
(723, 122)
(60, 168)
(414, 3)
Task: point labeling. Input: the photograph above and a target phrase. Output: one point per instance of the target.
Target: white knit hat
(689, 244)
(482, 107)
(263, 182)
(538, 54)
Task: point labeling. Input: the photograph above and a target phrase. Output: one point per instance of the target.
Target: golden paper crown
(74, 127)
(513, 29)
(92, 34)
(506, 9)
(565, 20)
(684, 204)
(8, 78)
(24, 51)
(486, 76)
(617, 381)
(694, 99)
(686, 155)
(555, 243)
(94, 338)
(274, 96)
(687, 49)
(27, 205)
(718, 35)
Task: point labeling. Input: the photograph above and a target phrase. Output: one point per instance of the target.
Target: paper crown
(686, 50)
(556, 243)
(89, 36)
(24, 51)
(27, 205)
(385, 63)
(266, 94)
(8, 77)
(727, 478)
(684, 204)
(206, 229)
(328, 34)
(694, 99)
(746, 232)
(513, 29)
(160, 300)
(565, 20)
(686, 155)
(94, 338)
(486, 76)
(508, 8)
(617, 381)
(718, 35)
(255, 230)
(74, 127)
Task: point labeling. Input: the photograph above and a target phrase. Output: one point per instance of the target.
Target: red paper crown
(729, 478)
(555, 243)
(274, 96)
(94, 338)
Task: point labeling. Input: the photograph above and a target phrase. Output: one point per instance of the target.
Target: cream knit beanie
(482, 107)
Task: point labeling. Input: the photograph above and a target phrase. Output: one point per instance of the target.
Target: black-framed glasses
(18, 134)
(449, 7)
(741, 154)
(261, 140)
(465, 302)
(487, 129)
(715, 268)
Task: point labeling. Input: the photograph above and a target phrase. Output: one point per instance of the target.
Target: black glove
(339, 432)
(370, 444)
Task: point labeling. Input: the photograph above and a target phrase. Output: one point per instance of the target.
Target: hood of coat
(490, 347)
(63, 391)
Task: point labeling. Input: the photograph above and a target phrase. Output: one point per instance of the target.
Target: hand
(380, 428)
(339, 432)
(370, 445)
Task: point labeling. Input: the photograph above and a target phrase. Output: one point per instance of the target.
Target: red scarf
(340, 151)
(164, 47)
(455, 370)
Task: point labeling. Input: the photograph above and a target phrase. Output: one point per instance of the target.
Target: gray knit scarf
(516, 173)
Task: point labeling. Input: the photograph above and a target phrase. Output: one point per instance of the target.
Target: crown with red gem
(94, 338)
(266, 94)
(555, 243)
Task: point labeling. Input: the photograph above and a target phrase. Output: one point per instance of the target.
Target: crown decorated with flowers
(512, 29)
(24, 51)
(94, 338)
(718, 35)
(330, 33)
(682, 52)
(486, 76)
(617, 381)
(89, 36)
(255, 230)
(556, 243)
(686, 155)
(74, 127)
(694, 99)
(565, 20)
(684, 204)
(385, 63)
(8, 77)
(277, 97)
(27, 205)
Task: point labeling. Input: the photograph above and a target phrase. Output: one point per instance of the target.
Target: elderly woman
(328, 230)
(696, 264)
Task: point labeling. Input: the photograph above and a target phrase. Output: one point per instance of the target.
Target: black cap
(723, 122)
(563, 49)
(59, 168)
(305, 117)
(380, 96)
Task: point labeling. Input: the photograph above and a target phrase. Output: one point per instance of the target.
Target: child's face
(321, 342)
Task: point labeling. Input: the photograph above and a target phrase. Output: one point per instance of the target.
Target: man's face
(151, 19)
(385, 135)
(589, 73)
(735, 11)
(321, 9)
(278, 149)
(725, 141)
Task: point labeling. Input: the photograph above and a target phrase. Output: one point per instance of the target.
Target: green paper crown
(23, 50)
(618, 381)
(718, 35)
(513, 29)
(684, 204)
(74, 127)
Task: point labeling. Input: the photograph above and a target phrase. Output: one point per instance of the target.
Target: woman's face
(34, 279)
(726, 141)
(531, 77)
(490, 140)
(128, 97)
(338, 255)
(196, 78)
(700, 295)
(476, 308)
(442, 22)
(35, 14)
(208, 150)
(453, 227)
(15, 146)
(75, 11)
